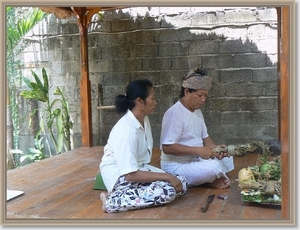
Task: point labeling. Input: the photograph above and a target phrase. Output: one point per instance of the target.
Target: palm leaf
(16, 30)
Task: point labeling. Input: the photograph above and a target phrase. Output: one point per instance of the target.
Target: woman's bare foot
(103, 198)
(220, 183)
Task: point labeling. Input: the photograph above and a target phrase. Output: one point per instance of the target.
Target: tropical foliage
(54, 116)
(19, 24)
(19, 21)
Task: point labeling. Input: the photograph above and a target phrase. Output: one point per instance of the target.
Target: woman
(131, 182)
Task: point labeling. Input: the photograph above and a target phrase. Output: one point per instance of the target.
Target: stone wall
(238, 47)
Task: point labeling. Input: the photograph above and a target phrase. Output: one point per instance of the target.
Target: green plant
(34, 154)
(66, 119)
(19, 21)
(57, 119)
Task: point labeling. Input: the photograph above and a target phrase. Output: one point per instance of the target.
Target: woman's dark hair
(138, 88)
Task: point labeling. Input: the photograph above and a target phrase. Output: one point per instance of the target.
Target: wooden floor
(61, 188)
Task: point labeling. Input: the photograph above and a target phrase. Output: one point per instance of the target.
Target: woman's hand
(176, 183)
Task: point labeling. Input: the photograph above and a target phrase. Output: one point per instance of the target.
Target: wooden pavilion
(285, 33)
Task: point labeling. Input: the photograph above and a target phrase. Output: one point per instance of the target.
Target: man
(186, 147)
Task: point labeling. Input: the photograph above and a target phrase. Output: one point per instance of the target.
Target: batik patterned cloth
(197, 79)
(127, 195)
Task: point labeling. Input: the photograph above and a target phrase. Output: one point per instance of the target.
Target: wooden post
(283, 90)
(84, 18)
(278, 9)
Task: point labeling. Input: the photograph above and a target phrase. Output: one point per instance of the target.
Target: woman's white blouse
(128, 149)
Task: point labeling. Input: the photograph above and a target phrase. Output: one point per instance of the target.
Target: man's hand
(221, 151)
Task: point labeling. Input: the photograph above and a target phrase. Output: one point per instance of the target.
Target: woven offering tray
(261, 184)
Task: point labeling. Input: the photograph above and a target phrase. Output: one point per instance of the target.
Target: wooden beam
(284, 112)
(85, 84)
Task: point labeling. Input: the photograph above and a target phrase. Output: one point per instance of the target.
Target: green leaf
(41, 123)
(23, 158)
(38, 82)
(57, 112)
(34, 150)
(60, 142)
(38, 134)
(27, 82)
(54, 102)
(57, 91)
(46, 81)
(254, 198)
(60, 129)
(34, 86)
(42, 96)
(34, 94)
(69, 125)
(49, 123)
(59, 122)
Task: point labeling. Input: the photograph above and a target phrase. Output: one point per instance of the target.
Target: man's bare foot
(220, 183)
(103, 197)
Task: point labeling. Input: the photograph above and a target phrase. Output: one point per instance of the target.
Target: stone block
(180, 63)
(235, 47)
(268, 74)
(243, 89)
(154, 64)
(258, 103)
(135, 64)
(264, 117)
(110, 39)
(204, 47)
(240, 16)
(113, 52)
(250, 60)
(217, 61)
(236, 75)
(269, 89)
(267, 14)
(236, 118)
(147, 50)
(168, 35)
(139, 37)
(172, 49)
(149, 23)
